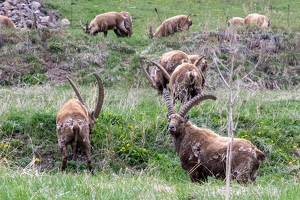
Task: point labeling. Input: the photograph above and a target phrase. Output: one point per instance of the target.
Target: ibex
(185, 82)
(6, 22)
(235, 21)
(258, 20)
(108, 21)
(202, 152)
(75, 122)
(172, 25)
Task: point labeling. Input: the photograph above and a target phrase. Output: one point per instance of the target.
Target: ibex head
(92, 114)
(177, 121)
(85, 28)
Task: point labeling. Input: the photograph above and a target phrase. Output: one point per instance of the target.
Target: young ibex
(202, 152)
(75, 122)
(257, 20)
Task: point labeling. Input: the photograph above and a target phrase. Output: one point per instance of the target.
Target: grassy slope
(135, 115)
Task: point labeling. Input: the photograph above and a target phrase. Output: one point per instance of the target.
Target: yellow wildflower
(127, 145)
(123, 149)
(6, 145)
(5, 159)
(294, 147)
(290, 163)
(37, 160)
(258, 132)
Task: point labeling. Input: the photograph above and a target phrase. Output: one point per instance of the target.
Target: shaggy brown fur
(255, 19)
(168, 61)
(74, 124)
(106, 21)
(235, 21)
(6, 22)
(127, 24)
(186, 82)
(202, 152)
(173, 25)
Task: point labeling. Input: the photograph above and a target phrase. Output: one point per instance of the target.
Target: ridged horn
(148, 76)
(162, 69)
(194, 101)
(77, 93)
(168, 102)
(185, 20)
(198, 60)
(99, 104)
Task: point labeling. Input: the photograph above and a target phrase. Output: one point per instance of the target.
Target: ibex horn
(100, 96)
(194, 101)
(77, 93)
(198, 60)
(168, 102)
(163, 71)
(148, 76)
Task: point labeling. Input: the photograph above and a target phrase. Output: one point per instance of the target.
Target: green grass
(26, 184)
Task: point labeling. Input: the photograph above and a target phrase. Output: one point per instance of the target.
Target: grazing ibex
(6, 22)
(185, 82)
(258, 20)
(75, 122)
(172, 25)
(169, 61)
(202, 152)
(107, 21)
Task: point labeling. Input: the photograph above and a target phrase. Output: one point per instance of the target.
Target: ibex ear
(187, 117)
(167, 115)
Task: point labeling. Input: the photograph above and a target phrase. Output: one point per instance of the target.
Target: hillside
(130, 134)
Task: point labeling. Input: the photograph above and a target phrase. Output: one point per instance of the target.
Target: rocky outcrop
(28, 14)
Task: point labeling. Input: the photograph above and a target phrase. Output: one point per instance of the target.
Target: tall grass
(21, 184)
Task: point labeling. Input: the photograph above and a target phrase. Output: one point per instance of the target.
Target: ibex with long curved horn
(202, 152)
(169, 61)
(185, 82)
(75, 122)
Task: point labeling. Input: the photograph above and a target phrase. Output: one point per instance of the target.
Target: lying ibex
(202, 152)
(75, 122)
(6, 22)
(173, 25)
(185, 82)
(107, 21)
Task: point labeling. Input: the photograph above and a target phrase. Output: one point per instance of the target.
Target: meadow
(132, 152)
